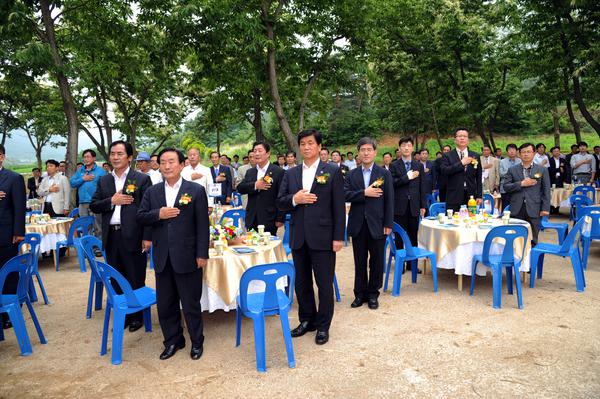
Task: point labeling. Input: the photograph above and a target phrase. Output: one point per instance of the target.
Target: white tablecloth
(48, 242)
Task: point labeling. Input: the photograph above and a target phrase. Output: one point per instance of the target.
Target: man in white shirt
(290, 160)
(197, 173)
(540, 157)
(350, 162)
(143, 163)
(56, 190)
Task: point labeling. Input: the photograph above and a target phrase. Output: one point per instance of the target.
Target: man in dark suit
(33, 183)
(117, 198)
(262, 183)
(314, 195)
(221, 175)
(336, 159)
(177, 212)
(410, 194)
(12, 223)
(557, 170)
(440, 179)
(428, 171)
(462, 169)
(370, 190)
(529, 185)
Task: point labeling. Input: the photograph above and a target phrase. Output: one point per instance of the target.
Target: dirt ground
(420, 344)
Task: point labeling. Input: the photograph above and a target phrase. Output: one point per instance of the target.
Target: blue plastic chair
(437, 208)
(81, 226)
(388, 248)
(236, 215)
(236, 199)
(409, 253)
(569, 248)
(130, 301)
(593, 234)
(578, 201)
(586, 190)
(89, 244)
(74, 213)
(490, 198)
(506, 208)
(11, 303)
(506, 260)
(271, 302)
(432, 198)
(562, 229)
(32, 241)
(151, 256)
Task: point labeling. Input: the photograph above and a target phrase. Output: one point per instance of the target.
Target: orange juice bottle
(472, 206)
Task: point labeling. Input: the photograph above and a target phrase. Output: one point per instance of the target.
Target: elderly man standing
(197, 173)
(508, 162)
(490, 170)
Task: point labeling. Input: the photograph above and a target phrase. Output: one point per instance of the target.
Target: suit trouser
(465, 200)
(132, 265)
(442, 192)
(322, 263)
(50, 210)
(367, 285)
(534, 222)
(84, 210)
(505, 200)
(409, 223)
(10, 284)
(173, 288)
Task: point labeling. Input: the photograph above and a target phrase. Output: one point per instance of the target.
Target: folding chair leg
(41, 284)
(509, 279)
(434, 273)
(497, 287)
(577, 271)
(117, 337)
(148, 319)
(336, 289)
(98, 300)
(36, 323)
(105, 329)
(387, 273)
(398, 268)
(88, 312)
(519, 290)
(238, 326)
(31, 289)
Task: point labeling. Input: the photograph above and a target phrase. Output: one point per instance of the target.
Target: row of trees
(138, 69)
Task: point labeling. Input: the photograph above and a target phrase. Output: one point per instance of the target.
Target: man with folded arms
(529, 188)
(370, 190)
(176, 211)
(314, 195)
(117, 198)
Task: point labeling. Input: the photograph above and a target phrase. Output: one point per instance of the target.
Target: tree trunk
(574, 123)
(269, 22)
(480, 131)
(436, 128)
(102, 106)
(64, 87)
(5, 122)
(556, 127)
(219, 142)
(257, 121)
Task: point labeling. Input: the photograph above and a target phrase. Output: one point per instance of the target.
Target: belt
(115, 227)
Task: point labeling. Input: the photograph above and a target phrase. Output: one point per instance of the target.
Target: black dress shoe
(357, 303)
(322, 337)
(171, 350)
(373, 303)
(196, 353)
(6, 325)
(302, 329)
(135, 325)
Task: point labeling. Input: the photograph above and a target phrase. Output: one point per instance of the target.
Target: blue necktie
(407, 165)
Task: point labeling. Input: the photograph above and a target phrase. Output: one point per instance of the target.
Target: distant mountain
(20, 151)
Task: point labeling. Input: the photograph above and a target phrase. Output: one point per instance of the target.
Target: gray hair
(365, 141)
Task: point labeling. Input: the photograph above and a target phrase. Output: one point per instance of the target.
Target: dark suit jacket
(409, 195)
(562, 169)
(377, 212)
(320, 223)
(536, 198)
(32, 187)
(429, 177)
(262, 204)
(227, 185)
(439, 179)
(345, 169)
(12, 207)
(132, 231)
(456, 176)
(183, 238)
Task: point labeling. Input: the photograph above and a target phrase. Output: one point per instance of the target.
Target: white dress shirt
(261, 172)
(51, 181)
(538, 159)
(172, 191)
(119, 184)
(155, 176)
(189, 170)
(308, 176)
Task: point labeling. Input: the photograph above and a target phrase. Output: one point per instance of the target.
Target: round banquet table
(222, 274)
(456, 245)
(52, 232)
(559, 197)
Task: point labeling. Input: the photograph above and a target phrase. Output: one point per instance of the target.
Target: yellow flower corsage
(474, 163)
(379, 182)
(268, 179)
(537, 175)
(322, 179)
(130, 187)
(185, 199)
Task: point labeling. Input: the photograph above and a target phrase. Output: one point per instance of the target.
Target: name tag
(214, 189)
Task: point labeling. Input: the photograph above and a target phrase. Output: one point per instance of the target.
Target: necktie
(407, 166)
(462, 155)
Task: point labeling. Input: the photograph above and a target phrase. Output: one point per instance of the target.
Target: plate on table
(274, 238)
(243, 250)
(431, 217)
(62, 218)
(448, 225)
(485, 226)
(517, 221)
